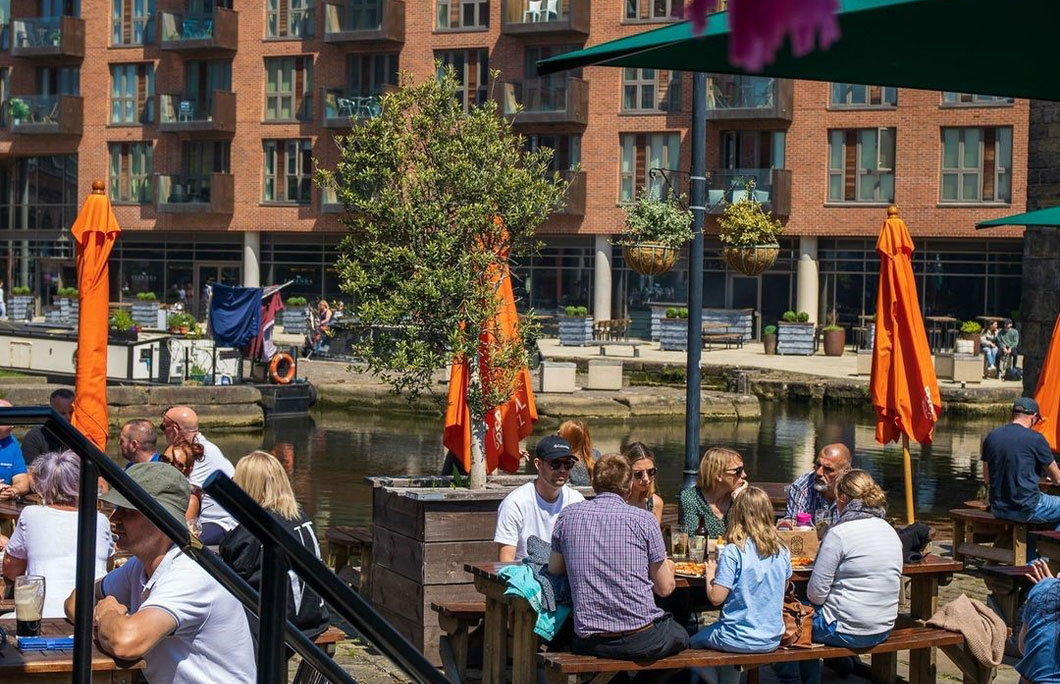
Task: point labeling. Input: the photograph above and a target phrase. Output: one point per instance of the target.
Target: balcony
(544, 17)
(342, 110)
(749, 97)
(184, 194)
(199, 34)
(575, 193)
(552, 100)
(772, 188)
(49, 37)
(191, 116)
(45, 114)
(379, 22)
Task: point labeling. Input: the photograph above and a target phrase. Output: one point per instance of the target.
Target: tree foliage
(437, 199)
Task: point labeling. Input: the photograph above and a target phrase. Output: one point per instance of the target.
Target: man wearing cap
(531, 510)
(161, 606)
(1015, 458)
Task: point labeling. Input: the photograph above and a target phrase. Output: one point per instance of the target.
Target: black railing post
(84, 604)
(272, 614)
(698, 189)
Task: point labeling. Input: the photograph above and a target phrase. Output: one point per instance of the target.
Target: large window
(472, 73)
(976, 164)
(857, 95)
(463, 14)
(566, 149)
(288, 88)
(202, 159)
(131, 165)
(59, 80)
(288, 171)
(975, 100)
(132, 93)
(288, 18)
(132, 22)
(370, 74)
(861, 165)
(652, 10)
(651, 90)
(642, 152)
(201, 79)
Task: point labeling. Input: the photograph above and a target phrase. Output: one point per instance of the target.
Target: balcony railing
(382, 21)
(342, 109)
(181, 193)
(541, 17)
(575, 193)
(772, 188)
(45, 114)
(748, 97)
(547, 100)
(196, 116)
(216, 31)
(48, 37)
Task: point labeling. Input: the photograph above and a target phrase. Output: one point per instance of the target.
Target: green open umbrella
(1041, 217)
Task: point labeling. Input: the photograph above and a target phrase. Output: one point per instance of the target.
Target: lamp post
(698, 192)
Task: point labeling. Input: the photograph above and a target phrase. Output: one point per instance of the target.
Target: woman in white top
(45, 538)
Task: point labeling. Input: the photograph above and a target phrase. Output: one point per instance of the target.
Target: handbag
(798, 621)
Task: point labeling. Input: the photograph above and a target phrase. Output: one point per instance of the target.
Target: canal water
(329, 454)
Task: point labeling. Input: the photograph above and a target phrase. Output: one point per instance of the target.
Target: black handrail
(93, 460)
(338, 595)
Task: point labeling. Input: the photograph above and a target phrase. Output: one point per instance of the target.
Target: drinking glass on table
(678, 542)
(29, 604)
(697, 545)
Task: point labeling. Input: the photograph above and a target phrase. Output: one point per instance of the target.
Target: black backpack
(1014, 373)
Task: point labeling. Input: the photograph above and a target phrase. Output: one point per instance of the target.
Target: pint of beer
(29, 604)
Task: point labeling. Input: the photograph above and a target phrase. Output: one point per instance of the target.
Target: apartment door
(205, 276)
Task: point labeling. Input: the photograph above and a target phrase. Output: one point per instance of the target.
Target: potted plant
(769, 339)
(66, 298)
(178, 322)
(656, 229)
(18, 109)
(294, 318)
(673, 333)
(145, 309)
(835, 340)
(21, 306)
(795, 334)
(197, 373)
(748, 234)
(122, 326)
(575, 327)
(968, 341)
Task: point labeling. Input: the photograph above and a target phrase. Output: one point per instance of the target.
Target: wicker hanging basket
(650, 258)
(751, 261)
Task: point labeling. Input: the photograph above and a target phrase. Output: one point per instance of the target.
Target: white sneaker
(991, 368)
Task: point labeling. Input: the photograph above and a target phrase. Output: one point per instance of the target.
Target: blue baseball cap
(1026, 405)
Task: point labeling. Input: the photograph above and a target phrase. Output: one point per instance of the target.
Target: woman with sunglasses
(183, 455)
(721, 476)
(642, 493)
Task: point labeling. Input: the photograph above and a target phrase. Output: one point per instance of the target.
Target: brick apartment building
(206, 117)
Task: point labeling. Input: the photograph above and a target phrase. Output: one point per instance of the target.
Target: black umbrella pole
(698, 190)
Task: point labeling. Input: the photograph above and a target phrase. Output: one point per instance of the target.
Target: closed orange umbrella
(94, 231)
(905, 391)
(1047, 393)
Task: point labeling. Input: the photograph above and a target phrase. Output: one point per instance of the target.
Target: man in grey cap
(161, 605)
(1015, 458)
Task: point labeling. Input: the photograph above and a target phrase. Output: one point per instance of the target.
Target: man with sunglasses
(531, 510)
(814, 492)
(1015, 458)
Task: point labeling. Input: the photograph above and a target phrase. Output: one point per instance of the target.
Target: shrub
(121, 320)
(68, 292)
(803, 317)
(576, 310)
(296, 301)
(971, 328)
(21, 290)
(833, 328)
(682, 312)
(789, 317)
(769, 330)
(671, 312)
(146, 296)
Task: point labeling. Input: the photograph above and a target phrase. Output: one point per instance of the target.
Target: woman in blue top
(1041, 628)
(748, 580)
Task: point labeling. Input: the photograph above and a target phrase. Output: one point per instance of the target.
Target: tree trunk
(477, 476)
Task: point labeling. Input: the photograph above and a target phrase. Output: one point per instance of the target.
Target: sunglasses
(561, 464)
(738, 470)
(645, 474)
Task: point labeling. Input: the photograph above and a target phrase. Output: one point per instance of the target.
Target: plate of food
(801, 563)
(687, 569)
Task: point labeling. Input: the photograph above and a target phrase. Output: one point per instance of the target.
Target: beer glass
(696, 547)
(678, 542)
(29, 604)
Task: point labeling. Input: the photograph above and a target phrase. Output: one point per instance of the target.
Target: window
(130, 172)
(288, 171)
(201, 79)
(472, 73)
(288, 88)
(463, 14)
(976, 164)
(642, 152)
(652, 10)
(857, 95)
(651, 90)
(132, 22)
(971, 99)
(752, 149)
(201, 161)
(861, 165)
(370, 74)
(566, 149)
(289, 18)
(132, 93)
(59, 80)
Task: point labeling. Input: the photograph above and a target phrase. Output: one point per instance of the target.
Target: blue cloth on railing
(235, 314)
(547, 594)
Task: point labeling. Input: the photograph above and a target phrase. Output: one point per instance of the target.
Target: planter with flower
(795, 334)
(145, 310)
(294, 315)
(673, 331)
(748, 234)
(575, 327)
(969, 339)
(656, 230)
(122, 327)
(21, 307)
(18, 109)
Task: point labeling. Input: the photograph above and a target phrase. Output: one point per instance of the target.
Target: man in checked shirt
(814, 492)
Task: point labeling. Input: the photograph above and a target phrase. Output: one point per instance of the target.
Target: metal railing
(37, 32)
(95, 464)
(740, 92)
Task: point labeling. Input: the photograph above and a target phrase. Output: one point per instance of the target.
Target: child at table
(748, 580)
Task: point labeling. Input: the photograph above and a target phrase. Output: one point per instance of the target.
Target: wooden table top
(11, 510)
(940, 319)
(15, 662)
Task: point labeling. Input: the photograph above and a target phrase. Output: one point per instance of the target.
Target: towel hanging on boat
(235, 314)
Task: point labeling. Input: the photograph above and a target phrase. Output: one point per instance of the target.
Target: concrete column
(602, 280)
(806, 292)
(252, 258)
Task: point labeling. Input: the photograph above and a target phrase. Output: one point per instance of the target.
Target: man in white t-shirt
(161, 606)
(182, 423)
(531, 510)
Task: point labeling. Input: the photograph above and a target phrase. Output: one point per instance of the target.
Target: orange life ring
(287, 375)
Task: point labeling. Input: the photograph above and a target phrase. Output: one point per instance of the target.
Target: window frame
(670, 105)
(443, 15)
(670, 143)
(974, 100)
(868, 104)
(999, 174)
(481, 87)
(860, 171)
(120, 99)
(291, 23)
(122, 179)
(651, 16)
(279, 90)
(280, 176)
(142, 22)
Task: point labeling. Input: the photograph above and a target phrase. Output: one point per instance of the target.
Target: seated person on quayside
(614, 557)
(1008, 340)
(814, 492)
(531, 509)
(1015, 458)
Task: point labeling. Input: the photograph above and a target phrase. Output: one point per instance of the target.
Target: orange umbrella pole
(907, 466)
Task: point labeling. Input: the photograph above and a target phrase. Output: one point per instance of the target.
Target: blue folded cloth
(44, 643)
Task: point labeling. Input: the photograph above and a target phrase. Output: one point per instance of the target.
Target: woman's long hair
(191, 452)
(581, 444)
(262, 476)
(638, 451)
(751, 517)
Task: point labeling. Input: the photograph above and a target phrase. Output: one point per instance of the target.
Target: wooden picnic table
(55, 667)
(925, 579)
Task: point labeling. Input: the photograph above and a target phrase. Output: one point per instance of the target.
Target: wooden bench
(1008, 586)
(1009, 537)
(327, 641)
(613, 329)
(634, 345)
(1046, 543)
(566, 668)
(457, 619)
(729, 339)
(345, 542)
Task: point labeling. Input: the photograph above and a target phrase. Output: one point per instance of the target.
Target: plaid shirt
(607, 546)
(803, 498)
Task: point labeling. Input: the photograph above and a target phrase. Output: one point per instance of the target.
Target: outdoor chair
(534, 13)
(551, 10)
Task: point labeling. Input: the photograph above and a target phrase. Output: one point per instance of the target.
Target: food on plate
(801, 562)
(690, 569)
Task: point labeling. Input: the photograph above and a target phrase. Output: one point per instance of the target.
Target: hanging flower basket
(650, 258)
(751, 261)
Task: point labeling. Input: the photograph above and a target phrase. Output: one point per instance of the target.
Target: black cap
(553, 447)
(1025, 405)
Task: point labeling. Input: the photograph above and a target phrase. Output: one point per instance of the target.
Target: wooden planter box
(673, 334)
(575, 331)
(145, 313)
(293, 321)
(795, 339)
(20, 308)
(69, 308)
(53, 316)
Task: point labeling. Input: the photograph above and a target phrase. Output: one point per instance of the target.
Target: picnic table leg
(366, 570)
(455, 640)
(1006, 594)
(495, 638)
(1019, 544)
(958, 540)
(884, 668)
(924, 600)
(524, 643)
